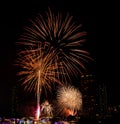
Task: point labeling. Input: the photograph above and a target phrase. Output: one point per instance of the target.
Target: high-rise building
(88, 87)
(94, 96)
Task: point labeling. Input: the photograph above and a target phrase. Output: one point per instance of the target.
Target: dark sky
(100, 20)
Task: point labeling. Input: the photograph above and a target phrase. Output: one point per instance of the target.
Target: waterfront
(31, 120)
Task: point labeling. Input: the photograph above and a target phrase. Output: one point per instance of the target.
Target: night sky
(99, 20)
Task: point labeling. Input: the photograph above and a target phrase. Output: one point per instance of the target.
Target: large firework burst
(64, 35)
(38, 64)
(39, 68)
(69, 98)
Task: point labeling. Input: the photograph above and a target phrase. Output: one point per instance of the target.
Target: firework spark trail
(69, 97)
(64, 35)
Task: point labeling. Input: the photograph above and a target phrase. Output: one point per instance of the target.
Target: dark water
(91, 121)
(98, 121)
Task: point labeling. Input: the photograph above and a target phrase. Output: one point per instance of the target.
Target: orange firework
(38, 64)
(39, 68)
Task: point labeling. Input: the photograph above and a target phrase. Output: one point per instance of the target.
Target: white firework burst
(69, 97)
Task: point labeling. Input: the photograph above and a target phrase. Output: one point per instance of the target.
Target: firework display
(52, 52)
